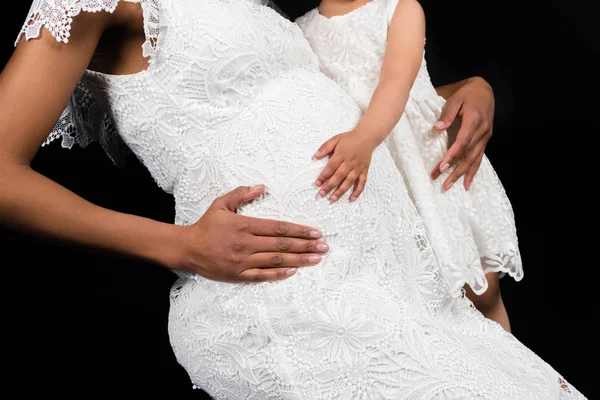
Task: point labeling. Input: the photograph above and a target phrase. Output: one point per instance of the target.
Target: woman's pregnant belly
(272, 142)
(379, 258)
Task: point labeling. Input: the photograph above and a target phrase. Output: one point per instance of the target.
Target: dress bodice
(204, 70)
(233, 95)
(351, 47)
(207, 68)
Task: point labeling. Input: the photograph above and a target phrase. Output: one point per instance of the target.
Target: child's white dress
(233, 96)
(464, 227)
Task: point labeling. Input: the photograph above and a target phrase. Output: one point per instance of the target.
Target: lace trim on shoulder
(57, 16)
(83, 122)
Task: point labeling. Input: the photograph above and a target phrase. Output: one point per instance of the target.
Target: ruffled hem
(472, 232)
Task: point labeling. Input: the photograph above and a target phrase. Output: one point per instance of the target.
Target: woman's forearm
(35, 86)
(35, 204)
(446, 91)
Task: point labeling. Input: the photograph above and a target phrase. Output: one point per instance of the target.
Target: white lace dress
(233, 96)
(465, 228)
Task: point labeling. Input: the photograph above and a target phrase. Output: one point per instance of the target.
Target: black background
(82, 324)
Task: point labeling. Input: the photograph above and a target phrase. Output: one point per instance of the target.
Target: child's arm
(351, 151)
(401, 63)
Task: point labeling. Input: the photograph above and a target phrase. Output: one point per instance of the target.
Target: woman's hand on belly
(228, 247)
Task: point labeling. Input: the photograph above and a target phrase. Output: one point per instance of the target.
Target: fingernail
(448, 186)
(315, 234)
(322, 248)
(256, 187)
(318, 183)
(314, 259)
(439, 124)
(333, 198)
(291, 271)
(444, 167)
(322, 193)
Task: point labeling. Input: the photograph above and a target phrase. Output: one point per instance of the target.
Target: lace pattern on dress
(472, 233)
(83, 120)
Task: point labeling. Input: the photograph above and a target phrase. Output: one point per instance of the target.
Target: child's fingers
(327, 147)
(332, 166)
(359, 186)
(334, 181)
(344, 187)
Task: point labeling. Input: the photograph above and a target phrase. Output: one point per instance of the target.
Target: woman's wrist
(446, 91)
(170, 250)
(159, 243)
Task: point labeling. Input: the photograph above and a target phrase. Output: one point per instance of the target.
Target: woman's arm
(35, 86)
(446, 91)
(401, 63)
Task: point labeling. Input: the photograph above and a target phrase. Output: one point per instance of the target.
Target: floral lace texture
(466, 228)
(83, 121)
(234, 96)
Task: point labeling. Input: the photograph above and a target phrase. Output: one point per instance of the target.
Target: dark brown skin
(39, 80)
(490, 303)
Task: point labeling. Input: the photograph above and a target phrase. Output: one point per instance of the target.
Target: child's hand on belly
(349, 160)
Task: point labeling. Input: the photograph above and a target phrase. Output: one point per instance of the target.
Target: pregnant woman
(230, 94)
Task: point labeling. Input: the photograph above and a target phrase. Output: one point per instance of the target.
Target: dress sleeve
(57, 16)
(83, 121)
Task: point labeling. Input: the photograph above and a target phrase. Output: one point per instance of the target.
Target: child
(375, 50)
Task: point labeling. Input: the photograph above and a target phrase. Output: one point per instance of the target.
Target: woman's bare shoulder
(119, 50)
(129, 14)
(50, 57)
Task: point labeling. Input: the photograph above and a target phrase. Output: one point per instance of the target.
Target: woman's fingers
(470, 174)
(449, 113)
(261, 244)
(282, 260)
(461, 145)
(274, 228)
(435, 172)
(471, 158)
(237, 197)
(257, 275)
